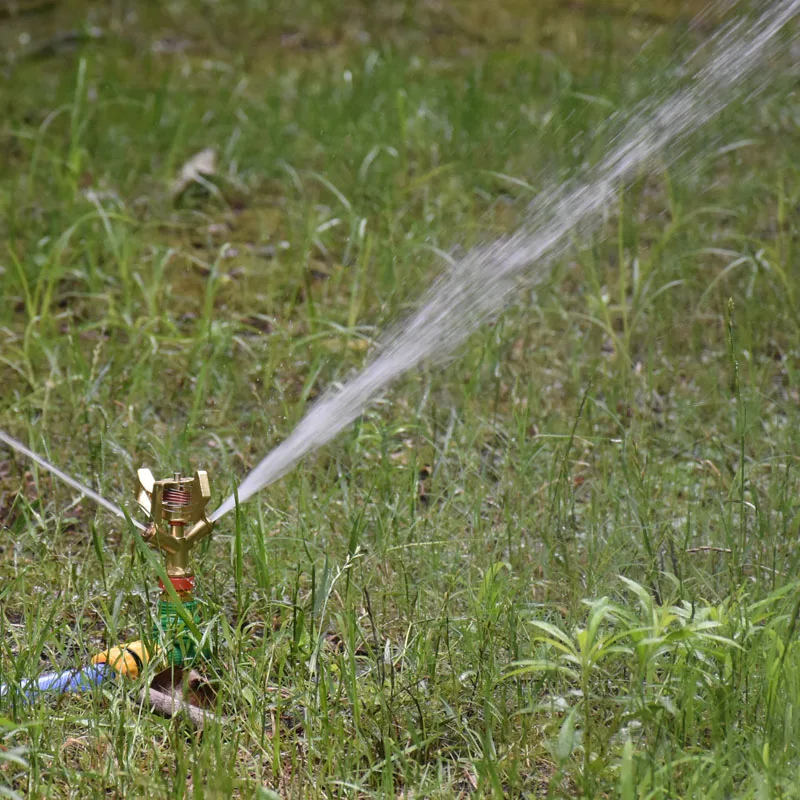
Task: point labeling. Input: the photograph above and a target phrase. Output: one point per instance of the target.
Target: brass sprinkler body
(176, 507)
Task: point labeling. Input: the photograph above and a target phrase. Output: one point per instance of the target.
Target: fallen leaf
(200, 166)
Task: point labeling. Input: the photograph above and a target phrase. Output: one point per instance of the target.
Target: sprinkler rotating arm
(198, 531)
(167, 543)
(177, 549)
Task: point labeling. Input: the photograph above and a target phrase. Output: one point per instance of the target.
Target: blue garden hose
(127, 660)
(69, 680)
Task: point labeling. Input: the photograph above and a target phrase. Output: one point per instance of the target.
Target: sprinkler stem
(170, 628)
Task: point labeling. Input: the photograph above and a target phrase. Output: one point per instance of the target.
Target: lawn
(561, 564)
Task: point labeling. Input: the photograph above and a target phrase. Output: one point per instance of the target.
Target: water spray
(15, 444)
(478, 285)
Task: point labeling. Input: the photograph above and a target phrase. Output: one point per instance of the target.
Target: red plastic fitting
(180, 584)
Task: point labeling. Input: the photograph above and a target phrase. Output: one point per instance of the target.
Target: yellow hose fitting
(127, 660)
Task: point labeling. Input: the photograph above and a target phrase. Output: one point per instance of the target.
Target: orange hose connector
(128, 660)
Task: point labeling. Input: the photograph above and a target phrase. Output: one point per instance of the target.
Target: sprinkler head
(176, 507)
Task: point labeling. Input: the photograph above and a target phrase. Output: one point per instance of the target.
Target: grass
(562, 565)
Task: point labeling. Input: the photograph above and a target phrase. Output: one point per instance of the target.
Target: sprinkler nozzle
(176, 507)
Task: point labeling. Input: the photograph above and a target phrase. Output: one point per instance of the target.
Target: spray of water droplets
(84, 490)
(482, 282)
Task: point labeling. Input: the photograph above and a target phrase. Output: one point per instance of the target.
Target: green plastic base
(178, 642)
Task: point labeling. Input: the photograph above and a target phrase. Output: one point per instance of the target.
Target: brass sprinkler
(177, 509)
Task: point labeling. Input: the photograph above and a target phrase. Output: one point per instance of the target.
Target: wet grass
(561, 565)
